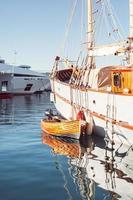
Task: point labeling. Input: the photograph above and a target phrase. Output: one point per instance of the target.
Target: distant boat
(21, 80)
(62, 128)
(104, 92)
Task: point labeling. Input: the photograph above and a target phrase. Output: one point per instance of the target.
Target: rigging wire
(107, 13)
(108, 16)
(99, 23)
(116, 20)
(68, 26)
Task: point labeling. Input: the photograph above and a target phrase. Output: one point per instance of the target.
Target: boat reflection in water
(92, 164)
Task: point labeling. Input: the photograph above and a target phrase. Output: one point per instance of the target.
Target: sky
(32, 31)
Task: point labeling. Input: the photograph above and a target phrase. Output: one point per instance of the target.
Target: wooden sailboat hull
(63, 128)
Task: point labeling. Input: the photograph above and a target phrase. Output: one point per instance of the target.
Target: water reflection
(21, 106)
(92, 165)
(6, 111)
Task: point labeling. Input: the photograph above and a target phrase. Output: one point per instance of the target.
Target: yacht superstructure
(21, 80)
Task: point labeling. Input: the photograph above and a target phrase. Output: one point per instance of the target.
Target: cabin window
(117, 80)
(4, 85)
(28, 87)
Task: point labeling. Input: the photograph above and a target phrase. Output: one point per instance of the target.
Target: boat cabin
(64, 75)
(122, 80)
(25, 66)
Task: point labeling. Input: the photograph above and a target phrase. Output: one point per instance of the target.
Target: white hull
(68, 102)
(19, 85)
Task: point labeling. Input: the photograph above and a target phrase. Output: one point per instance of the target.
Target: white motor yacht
(21, 80)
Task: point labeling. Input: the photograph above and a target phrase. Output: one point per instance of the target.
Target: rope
(107, 11)
(69, 25)
(115, 20)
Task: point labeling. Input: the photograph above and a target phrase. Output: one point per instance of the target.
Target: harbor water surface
(34, 166)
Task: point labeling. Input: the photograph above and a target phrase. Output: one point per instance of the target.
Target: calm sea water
(34, 166)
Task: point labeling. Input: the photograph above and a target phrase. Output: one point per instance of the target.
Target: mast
(90, 25)
(90, 33)
(131, 32)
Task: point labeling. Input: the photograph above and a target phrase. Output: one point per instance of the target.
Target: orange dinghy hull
(62, 128)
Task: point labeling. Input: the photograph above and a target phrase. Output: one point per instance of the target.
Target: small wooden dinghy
(61, 128)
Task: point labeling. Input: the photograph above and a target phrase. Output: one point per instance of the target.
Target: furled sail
(111, 49)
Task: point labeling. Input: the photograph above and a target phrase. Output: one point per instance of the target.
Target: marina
(33, 164)
(66, 123)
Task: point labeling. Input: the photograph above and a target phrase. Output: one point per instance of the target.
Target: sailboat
(104, 93)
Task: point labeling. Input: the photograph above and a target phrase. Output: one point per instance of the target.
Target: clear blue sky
(35, 30)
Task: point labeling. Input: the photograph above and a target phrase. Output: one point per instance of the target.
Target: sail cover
(104, 76)
(112, 49)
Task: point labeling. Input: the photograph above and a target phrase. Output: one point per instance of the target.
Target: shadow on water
(93, 167)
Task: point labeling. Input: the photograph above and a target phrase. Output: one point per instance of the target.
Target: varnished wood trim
(120, 123)
(92, 90)
(100, 116)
